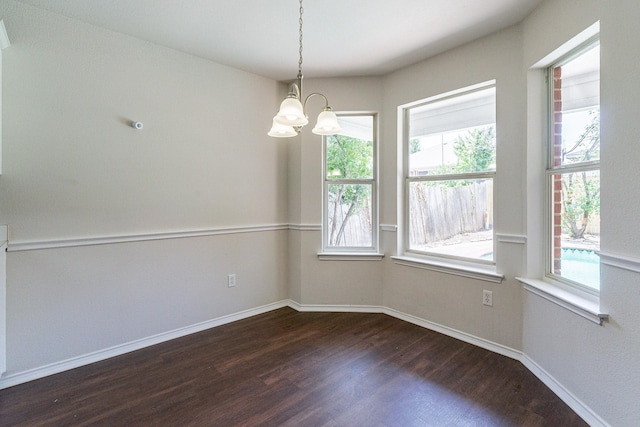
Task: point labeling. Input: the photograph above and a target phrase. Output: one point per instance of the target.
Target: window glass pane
(460, 151)
(350, 154)
(454, 135)
(576, 227)
(576, 111)
(349, 215)
(452, 217)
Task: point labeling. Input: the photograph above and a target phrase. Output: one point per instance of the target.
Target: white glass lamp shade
(281, 131)
(291, 113)
(327, 124)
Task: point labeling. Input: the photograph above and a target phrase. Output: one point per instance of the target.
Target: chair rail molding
(105, 240)
(619, 261)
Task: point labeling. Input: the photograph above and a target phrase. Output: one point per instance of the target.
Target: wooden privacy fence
(357, 230)
(454, 211)
(438, 212)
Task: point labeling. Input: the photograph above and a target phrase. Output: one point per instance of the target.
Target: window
(450, 164)
(573, 169)
(350, 194)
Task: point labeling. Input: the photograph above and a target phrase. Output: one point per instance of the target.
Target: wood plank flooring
(285, 368)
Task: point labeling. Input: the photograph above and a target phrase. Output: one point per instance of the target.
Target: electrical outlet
(487, 298)
(231, 280)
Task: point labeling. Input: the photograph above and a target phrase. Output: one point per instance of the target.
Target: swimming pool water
(581, 265)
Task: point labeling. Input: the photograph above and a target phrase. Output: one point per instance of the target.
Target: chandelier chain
(300, 31)
(292, 115)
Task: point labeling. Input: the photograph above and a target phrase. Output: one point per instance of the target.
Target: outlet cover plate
(487, 298)
(231, 280)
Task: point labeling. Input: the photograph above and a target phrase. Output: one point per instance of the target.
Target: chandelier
(292, 115)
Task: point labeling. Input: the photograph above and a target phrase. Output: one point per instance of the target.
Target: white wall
(328, 282)
(75, 169)
(594, 367)
(453, 301)
(4, 43)
(3, 298)
(598, 365)
(65, 303)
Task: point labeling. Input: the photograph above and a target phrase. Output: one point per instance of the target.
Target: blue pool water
(581, 265)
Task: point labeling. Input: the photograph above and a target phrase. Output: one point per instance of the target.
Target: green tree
(581, 190)
(414, 146)
(347, 158)
(476, 151)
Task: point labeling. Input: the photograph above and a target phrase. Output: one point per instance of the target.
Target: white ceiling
(341, 37)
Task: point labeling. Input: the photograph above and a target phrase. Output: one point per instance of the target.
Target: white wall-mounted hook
(137, 125)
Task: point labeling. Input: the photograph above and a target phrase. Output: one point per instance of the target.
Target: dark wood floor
(286, 368)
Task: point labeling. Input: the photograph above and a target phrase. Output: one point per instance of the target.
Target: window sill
(582, 306)
(350, 256)
(458, 269)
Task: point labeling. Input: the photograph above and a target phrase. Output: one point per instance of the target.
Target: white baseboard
(565, 395)
(454, 333)
(76, 362)
(335, 308)
(462, 336)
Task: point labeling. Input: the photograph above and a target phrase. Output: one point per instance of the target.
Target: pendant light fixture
(293, 112)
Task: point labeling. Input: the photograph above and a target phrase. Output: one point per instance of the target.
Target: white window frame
(550, 171)
(574, 300)
(470, 267)
(356, 252)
